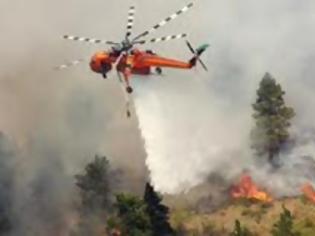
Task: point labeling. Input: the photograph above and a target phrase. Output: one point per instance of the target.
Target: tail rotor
(197, 53)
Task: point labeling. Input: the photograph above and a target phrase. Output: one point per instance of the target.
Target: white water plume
(185, 133)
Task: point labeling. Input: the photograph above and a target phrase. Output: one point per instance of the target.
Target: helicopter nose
(94, 66)
(97, 60)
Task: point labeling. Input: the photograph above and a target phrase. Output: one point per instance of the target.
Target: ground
(257, 217)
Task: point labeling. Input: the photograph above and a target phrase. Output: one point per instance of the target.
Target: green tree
(159, 213)
(272, 118)
(132, 216)
(95, 196)
(94, 185)
(239, 230)
(284, 226)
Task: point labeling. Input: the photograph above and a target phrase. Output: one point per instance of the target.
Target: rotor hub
(126, 45)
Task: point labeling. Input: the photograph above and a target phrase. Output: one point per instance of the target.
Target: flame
(309, 192)
(247, 189)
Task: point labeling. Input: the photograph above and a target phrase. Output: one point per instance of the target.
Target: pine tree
(239, 230)
(94, 185)
(95, 196)
(272, 119)
(284, 227)
(158, 212)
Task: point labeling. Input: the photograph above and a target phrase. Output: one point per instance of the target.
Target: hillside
(257, 217)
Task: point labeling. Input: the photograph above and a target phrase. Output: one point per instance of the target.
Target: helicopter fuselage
(137, 62)
(102, 62)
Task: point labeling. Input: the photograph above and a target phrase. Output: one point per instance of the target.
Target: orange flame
(247, 189)
(309, 192)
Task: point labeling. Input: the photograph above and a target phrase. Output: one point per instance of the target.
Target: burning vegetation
(309, 192)
(247, 189)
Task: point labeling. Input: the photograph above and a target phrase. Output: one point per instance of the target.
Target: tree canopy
(94, 185)
(159, 213)
(95, 196)
(272, 118)
(284, 226)
(132, 216)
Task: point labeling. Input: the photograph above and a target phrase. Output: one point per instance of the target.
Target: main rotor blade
(167, 38)
(164, 22)
(131, 18)
(88, 40)
(69, 64)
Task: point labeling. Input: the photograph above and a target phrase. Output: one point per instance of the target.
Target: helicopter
(129, 60)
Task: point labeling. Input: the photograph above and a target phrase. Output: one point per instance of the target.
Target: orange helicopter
(128, 60)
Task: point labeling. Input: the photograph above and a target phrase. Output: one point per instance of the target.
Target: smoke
(195, 123)
(7, 162)
(297, 169)
(58, 121)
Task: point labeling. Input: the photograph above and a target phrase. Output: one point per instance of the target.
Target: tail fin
(197, 53)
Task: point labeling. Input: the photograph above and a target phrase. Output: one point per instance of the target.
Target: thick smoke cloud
(7, 163)
(59, 120)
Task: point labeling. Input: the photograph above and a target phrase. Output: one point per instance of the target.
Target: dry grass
(257, 217)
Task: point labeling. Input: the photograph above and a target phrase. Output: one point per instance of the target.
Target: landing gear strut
(158, 70)
(105, 68)
(127, 98)
(129, 89)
